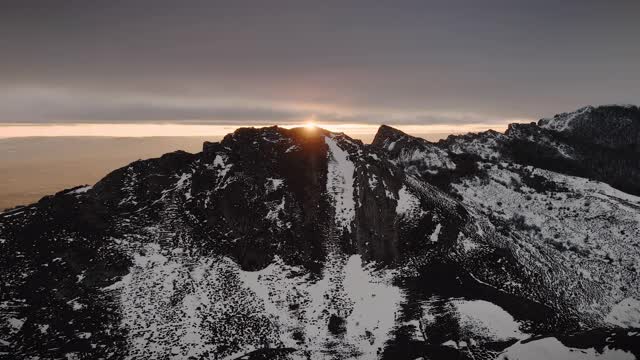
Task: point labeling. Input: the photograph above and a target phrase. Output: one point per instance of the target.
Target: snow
(275, 288)
(589, 229)
(9, 213)
(431, 156)
(564, 122)
(470, 321)
(15, 323)
(407, 202)
(565, 151)
(340, 178)
(391, 146)
(184, 182)
(373, 181)
(552, 348)
(152, 258)
(346, 288)
(292, 148)
(467, 244)
(43, 328)
(176, 302)
(625, 314)
(486, 146)
(435, 234)
(488, 319)
(75, 305)
(131, 181)
(81, 190)
(388, 191)
(275, 207)
(220, 163)
(273, 184)
(188, 306)
(450, 343)
(375, 303)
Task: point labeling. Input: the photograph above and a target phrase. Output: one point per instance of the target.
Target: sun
(310, 125)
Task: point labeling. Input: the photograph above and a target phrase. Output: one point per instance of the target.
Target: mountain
(302, 243)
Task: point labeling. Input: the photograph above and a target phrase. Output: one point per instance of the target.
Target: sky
(167, 67)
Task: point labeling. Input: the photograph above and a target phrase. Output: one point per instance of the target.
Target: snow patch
(16, 323)
(223, 168)
(302, 305)
(81, 190)
(369, 295)
(589, 227)
(487, 318)
(467, 243)
(563, 122)
(184, 182)
(625, 314)
(391, 146)
(43, 328)
(292, 148)
(373, 181)
(432, 157)
(275, 207)
(340, 177)
(189, 307)
(273, 184)
(407, 202)
(435, 234)
(552, 348)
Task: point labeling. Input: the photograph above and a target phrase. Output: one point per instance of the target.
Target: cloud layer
(411, 62)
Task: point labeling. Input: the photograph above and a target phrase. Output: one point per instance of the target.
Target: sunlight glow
(365, 132)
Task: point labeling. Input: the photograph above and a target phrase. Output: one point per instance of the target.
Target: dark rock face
(53, 265)
(272, 166)
(611, 126)
(604, 159)
(424, 159)
(336, 325)
(281, 243)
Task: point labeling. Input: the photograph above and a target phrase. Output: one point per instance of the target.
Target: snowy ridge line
(563, 122)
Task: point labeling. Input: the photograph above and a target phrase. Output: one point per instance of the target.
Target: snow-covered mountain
(303, 243)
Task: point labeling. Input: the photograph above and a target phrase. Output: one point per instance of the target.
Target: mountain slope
(306, 243)
(582, 232)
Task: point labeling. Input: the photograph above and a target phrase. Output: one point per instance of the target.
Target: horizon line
(144, 130)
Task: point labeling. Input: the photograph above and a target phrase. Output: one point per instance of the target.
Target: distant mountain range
(303, 243)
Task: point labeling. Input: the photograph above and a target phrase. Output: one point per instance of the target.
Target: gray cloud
(63, 106)
(414, 60)
(36, 105)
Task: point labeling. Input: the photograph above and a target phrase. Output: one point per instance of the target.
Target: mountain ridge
(272, 236)
(607, 151)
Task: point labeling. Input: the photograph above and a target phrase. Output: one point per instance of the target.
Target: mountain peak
(612, 126)
(387, 134)
(564, 121)
(307, 241)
